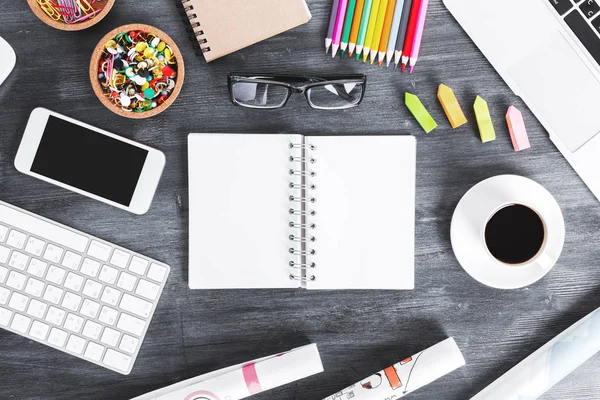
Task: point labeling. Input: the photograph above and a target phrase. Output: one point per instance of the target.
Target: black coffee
(515, 234)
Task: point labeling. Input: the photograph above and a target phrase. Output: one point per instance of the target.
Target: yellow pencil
(371, 29)
(378, 28)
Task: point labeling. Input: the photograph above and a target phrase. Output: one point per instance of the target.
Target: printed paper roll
(536, 374)
(408, 375)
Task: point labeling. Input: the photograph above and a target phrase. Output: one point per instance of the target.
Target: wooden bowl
(96, 55)
(62, 25)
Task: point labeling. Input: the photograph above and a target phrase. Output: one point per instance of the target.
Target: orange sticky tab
(392, 376)
(451, 106)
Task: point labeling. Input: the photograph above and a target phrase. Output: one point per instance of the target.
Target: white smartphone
(89, 161)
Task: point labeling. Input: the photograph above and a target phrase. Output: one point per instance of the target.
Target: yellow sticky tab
(484, 120)
(451, 107)
(420, 113)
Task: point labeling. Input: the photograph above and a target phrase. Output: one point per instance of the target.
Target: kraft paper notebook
(222, 27)
(288, 211)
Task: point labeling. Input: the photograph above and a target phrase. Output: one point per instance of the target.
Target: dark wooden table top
(358, 333)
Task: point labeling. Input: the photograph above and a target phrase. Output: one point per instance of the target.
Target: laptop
(548, 52)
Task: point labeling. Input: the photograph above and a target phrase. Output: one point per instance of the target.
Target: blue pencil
(395, 31)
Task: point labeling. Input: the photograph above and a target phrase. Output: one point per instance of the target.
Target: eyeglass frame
(285, 81)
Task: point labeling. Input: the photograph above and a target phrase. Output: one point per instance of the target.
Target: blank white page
(365, 212)
(239, 211)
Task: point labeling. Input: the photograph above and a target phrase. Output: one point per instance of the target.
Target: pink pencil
(339, 26)
(416, 47)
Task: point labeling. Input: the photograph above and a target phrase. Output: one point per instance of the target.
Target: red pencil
(410, 32)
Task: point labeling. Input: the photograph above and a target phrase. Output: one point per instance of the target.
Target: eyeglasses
(274, 91)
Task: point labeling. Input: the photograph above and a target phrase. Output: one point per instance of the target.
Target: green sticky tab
(420, 113)
(484, 120)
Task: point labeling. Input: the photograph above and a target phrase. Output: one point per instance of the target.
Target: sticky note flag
(484, 120)
(420, 113)
(451, 107)
(516, 126)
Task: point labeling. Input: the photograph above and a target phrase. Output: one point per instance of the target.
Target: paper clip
(49, 9)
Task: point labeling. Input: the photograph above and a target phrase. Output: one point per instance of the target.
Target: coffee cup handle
(545, 261)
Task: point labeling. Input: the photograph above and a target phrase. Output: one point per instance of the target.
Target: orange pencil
(387, 28)
(355, 26)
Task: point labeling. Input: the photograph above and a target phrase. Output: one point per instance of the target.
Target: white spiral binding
(302, 242)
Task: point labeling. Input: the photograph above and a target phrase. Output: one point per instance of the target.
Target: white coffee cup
(475, 210)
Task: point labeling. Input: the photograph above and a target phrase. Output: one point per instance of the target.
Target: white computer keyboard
(74, 292)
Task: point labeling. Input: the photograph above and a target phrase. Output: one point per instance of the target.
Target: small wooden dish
(101, 94)
(62, 25)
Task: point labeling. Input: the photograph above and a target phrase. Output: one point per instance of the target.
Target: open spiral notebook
(288, 211)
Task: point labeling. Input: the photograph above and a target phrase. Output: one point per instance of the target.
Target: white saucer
(473, 213)
(8, 57)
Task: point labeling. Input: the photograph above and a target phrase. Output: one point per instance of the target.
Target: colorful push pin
(484, 120)
(420, 113)
(451, 107)
(518, 132)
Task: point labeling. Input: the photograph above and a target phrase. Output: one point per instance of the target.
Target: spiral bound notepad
(286, 211)
(224, 26)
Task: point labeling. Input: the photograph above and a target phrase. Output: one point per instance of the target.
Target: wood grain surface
(358, 333)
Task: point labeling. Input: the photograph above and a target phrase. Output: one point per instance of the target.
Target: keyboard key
(16, 280)
(5, 316)
(74, 282)
(55, 274)
(147, 289)
(55, 316)
(37, 309)
(117, 360)
(53, 253)
(119, 258)
(92, 330)
(18, 302)
(90, 267)
(73, 323)
(585, 33)
(129, 344)
(589, 8)
(34, 287)
(157, 272)
(99, 250)
(92, 288)
(108, 274)
(126, 281)
(108, 315)
(37, 268)
(57, 337)
(39, 330)
(18, 260)
(4, 253)
(71, 301)
(20, 323)
(71, 260)
(94, 351)
(16, 239)
(138, 265)
(110, 337)
(131, 324)
(562, 6)
(35, 246)
(136, 306)
(110, 296)
(3, 274)
(4, 295)
(3, 233)
(53, 294)
(90, 308)
(76, 344)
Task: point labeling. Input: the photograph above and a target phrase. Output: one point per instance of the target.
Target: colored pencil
(371, 29)
(414, 54)
(332, 19)
(385, 34)
(348, 25)
(410, 32)
(356, 23)
(339, 25)
(378, 29)
(364, 23)
(394, 31)
(402, 31)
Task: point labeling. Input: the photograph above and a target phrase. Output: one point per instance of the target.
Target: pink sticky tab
(516, 126)
(251, 378)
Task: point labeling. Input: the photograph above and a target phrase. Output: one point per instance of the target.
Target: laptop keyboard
(583, 17)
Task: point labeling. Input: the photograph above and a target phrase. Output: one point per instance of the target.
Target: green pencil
(347, 26)
(362, 34)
